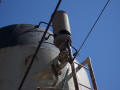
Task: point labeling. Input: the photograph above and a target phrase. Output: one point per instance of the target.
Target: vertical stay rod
(74, 76)
(40, 43)
(73, 68)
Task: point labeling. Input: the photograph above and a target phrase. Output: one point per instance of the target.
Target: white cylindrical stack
(61, 22)
(61, 30)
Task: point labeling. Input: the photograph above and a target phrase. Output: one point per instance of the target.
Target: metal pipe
(73, 68)
(81, 65)
(86, 86)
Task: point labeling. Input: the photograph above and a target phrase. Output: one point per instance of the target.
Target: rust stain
(27, 59)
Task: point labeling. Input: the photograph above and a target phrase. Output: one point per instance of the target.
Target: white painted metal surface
(14, 61)
(61, 22)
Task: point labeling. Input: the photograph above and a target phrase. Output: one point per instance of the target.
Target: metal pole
(72, 68)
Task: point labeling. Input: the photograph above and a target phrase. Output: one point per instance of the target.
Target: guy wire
(40, 43)
(92, 28)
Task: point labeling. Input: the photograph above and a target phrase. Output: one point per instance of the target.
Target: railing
(89, 68)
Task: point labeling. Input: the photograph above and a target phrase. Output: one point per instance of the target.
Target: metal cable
(40, 43)
(92, 28)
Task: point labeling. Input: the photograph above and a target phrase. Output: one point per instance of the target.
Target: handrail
(88, 62)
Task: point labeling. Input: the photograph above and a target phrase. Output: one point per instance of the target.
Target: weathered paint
(14, 59)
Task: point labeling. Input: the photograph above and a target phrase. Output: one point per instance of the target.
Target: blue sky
(103, 46)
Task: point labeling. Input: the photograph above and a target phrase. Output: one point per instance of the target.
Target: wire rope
(92, 28)
(40, 43)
